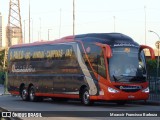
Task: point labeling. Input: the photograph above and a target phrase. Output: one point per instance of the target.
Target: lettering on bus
(16, 55)
(68, 53)
(40, 54)
(22, 68)
(54, 54)
(27, 55)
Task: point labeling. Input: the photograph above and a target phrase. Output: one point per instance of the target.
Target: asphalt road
(14, 103)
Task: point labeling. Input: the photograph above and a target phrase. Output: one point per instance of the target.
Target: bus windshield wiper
(115, 79)
(126, 75)
(122, 76)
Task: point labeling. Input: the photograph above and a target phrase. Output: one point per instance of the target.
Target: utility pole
(48, 33)
(73, 17)
(114, 18)
(14, 27)
(145, 28)
(24, 32)
(60, 23)
(29, 23)
(40, 29)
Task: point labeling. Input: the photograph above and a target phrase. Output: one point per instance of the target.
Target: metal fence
(154, 85)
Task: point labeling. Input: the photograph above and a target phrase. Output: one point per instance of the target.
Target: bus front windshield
(127, 65)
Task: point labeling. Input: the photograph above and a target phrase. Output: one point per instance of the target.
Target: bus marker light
(101, 92)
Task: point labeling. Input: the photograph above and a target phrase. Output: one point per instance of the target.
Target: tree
(152, 67)
(2, 54)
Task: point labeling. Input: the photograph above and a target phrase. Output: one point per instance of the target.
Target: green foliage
(1, 80)
(152, 67)
(2, 59)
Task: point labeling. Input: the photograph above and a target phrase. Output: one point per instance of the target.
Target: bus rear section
(88, 68)
(55, 70)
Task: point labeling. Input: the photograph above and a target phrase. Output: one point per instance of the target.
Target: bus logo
(130, 87)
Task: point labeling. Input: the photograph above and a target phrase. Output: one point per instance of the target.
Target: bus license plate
(131, 96)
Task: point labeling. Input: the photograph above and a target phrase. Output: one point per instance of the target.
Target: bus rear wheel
(24, 94)
(85, 97)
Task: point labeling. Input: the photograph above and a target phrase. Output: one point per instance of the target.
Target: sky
(91, 16)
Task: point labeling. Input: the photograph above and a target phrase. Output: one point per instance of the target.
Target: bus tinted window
(43, 59)
(96, 58)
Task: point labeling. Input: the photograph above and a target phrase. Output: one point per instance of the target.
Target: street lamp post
(24, 38)
(145, 22)
(73, 17)
(48, 33)
(24, 33)
(158, 46)
(114, 18)
(29, 24)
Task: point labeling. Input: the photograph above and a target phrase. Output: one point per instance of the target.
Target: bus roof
(107, 38)
(104, 38)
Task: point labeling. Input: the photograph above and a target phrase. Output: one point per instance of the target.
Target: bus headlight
(112, 90)
(146, 90)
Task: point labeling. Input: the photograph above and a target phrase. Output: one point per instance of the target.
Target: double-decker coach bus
(90, 67)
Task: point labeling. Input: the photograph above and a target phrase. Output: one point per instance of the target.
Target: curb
(148, 102)
(5, 94)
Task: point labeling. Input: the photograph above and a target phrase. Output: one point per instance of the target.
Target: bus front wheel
(85, 97)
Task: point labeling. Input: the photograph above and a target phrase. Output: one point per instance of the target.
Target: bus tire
(32, 96)
(24, 94)
(85, 97)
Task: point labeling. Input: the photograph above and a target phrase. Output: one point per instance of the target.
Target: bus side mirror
(150, 49)
(108, 51)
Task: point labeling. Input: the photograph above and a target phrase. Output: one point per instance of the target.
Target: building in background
(156, 51)
(2, 32)
(13, 35)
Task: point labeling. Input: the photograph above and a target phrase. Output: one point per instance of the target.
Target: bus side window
(101, 65)
(96, 58)
(142, 62)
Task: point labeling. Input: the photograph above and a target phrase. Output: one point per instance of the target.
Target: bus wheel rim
(24, 94)
(32, 94)
(86, 97)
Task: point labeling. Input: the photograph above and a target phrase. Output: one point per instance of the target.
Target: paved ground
(1, 89)
(14, 103)
(54, 106)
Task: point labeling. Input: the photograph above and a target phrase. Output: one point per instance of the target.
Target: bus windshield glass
(127, 65)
